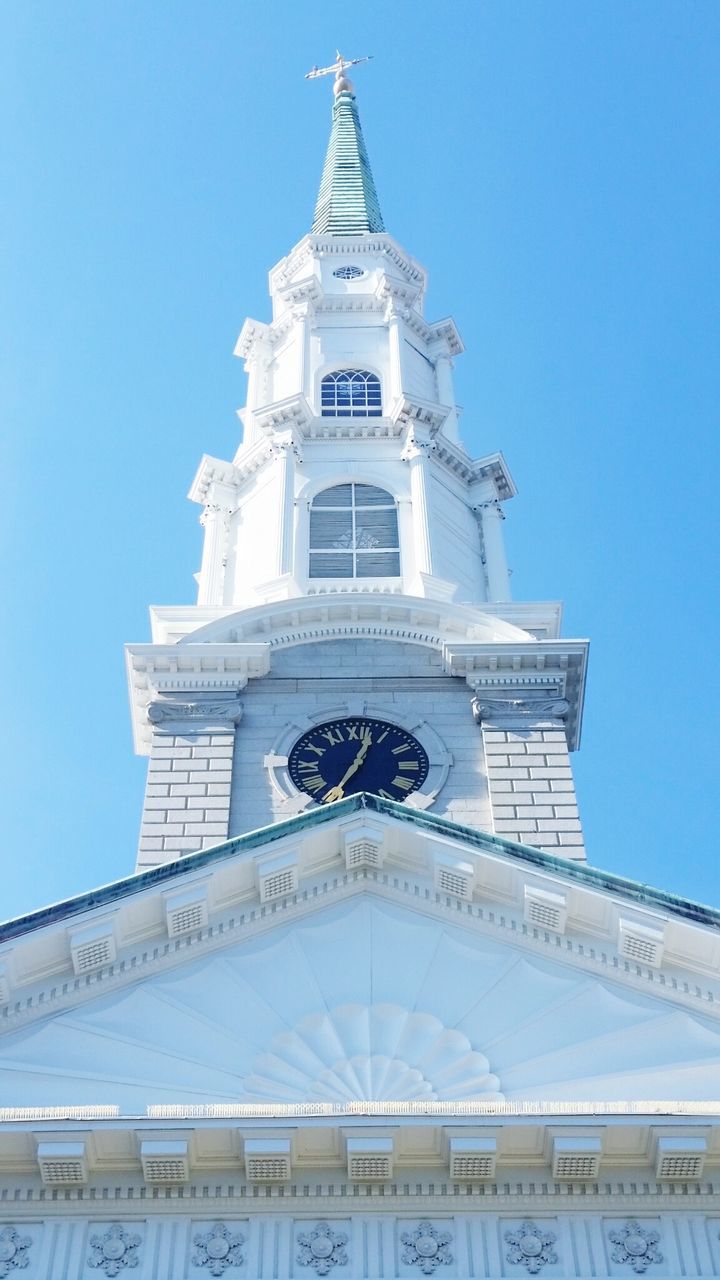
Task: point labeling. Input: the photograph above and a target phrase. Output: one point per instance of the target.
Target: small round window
(348, 273)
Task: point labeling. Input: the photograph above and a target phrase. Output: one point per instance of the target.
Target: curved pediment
(351, 614)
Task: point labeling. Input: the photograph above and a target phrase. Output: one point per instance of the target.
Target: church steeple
(353, 527)
(347, 203)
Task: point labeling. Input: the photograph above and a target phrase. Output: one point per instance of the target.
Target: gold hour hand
(338, 791)
(335, 793)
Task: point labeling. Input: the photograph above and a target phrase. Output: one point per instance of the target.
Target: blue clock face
(342, 757)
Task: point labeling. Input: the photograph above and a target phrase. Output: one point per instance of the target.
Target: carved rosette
(13, 1251)
(426, 1248)
(635, 1246)
(114, 1251)
(530, 1247)
(218, 1249)
(322, 1248)
(521, 713)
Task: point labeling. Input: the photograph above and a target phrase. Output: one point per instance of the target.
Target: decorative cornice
(397, 294)
(595, 953)
(210, 472)
(171, 669)
(445, 333)
(413, 413)
(547, 669)
(333, 246)
(621, 1196)
(301, 619)
(293, 413)
(252, 332)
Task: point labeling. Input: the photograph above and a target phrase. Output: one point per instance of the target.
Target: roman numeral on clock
(403, 784)
(314, 783)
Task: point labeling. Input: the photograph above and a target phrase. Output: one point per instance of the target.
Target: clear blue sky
(555, 165)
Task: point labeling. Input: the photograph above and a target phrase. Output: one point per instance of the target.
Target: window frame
(355, 554)
(371, 405)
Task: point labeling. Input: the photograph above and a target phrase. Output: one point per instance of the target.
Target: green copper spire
(347, 203)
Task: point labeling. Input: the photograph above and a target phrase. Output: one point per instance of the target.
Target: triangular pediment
(365, 984)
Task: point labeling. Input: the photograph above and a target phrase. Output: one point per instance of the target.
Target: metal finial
(338, 69)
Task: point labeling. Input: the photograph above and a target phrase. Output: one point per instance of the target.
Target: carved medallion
(322, 1248)
(218, 1249)
(426, 1248)
(114, 1251)
(635, 1246)
(530, 1247)
(13, 1251)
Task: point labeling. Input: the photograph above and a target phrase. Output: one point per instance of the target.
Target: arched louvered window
(354, 533)
(350, 393)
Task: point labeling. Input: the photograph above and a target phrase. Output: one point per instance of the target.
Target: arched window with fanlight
(354, 533)
(350, 393)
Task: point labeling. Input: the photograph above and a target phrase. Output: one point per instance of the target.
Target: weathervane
(338, 67)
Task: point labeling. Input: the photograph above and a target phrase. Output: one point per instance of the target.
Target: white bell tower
(349, 382)
(353, 549)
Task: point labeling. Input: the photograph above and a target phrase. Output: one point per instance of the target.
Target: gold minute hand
(338, 791)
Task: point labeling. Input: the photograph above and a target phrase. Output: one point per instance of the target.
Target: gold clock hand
(338, 791)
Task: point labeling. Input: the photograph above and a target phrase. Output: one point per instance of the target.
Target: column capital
(216, 509)
(180, 713)
(286, 443)
(417, 444)
(489, 505)
(522, 713)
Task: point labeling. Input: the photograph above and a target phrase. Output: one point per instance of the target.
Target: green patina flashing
(320, 816)
(347, 203)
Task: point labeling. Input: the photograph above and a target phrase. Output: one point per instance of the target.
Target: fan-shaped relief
(363, 1000)
(370, 1053)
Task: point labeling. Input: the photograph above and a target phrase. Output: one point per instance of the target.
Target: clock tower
(354, 629)
(363, 1010)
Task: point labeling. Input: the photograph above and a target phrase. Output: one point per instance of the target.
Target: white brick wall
(187, 798)
(532, 789)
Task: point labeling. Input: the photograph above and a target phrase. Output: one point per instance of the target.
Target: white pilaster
(498, 577)
(395, 366)
(415, 453)
(286, 451)
(446, 395)
(215, 520)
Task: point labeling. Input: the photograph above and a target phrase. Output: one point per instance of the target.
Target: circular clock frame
(339, 758)
(277, 762)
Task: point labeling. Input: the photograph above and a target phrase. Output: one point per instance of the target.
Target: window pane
(351, 393)
(331, 529)
(368, 495)
(339, 565)
(354, 533)
(376, 529)
(340, 495)
(373, 564)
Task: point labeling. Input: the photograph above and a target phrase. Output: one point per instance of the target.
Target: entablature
(343, 246)
(154, 669)
(555, 668)
(520, 1145)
